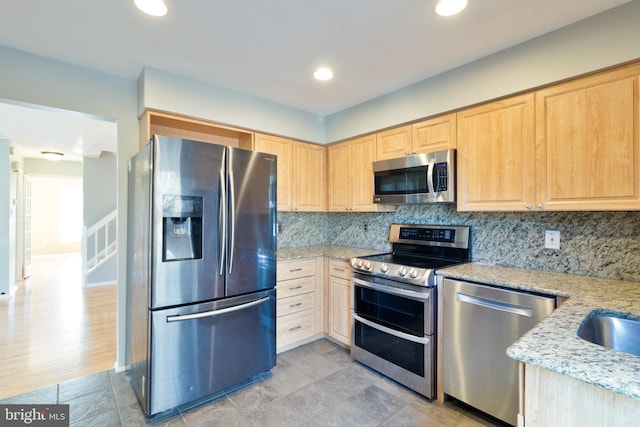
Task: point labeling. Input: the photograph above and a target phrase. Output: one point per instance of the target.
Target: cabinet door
(588, 144)
(496, 156)
(310, 163)
(434, 134)
(282, 148)
(339, 310)
(339, 182)
(363, 154)
(394, 143)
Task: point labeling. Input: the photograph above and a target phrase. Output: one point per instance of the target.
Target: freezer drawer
(201, 349)
(479, 323)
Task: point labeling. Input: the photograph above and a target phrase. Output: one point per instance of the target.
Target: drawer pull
(339, 269)
(294, 270)
(295, 287)
(295, 305)
(296, 328)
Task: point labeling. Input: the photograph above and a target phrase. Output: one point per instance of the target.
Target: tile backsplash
(602, 244)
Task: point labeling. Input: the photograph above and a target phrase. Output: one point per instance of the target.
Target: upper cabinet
(393, 143)
(351, 176)
(496, 155)
(158, 123)
(301, 179)
(434, 134)
(570, 146)
(588, 147)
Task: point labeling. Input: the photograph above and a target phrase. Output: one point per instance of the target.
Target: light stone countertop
(340, 252)
(553, 344)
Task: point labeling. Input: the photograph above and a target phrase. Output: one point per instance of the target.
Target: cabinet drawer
(338, 268)
(289, 288)
(295, 327)
(285, 306)
(287, 270)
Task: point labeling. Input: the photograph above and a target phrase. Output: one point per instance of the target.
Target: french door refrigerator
(201, 262)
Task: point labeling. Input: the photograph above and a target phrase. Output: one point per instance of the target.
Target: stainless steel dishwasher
(479, 323)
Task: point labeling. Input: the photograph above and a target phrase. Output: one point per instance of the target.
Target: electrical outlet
(552, 239)
(366, 227)
(279, 228)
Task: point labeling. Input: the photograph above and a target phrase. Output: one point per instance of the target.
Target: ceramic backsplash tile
(602, 244)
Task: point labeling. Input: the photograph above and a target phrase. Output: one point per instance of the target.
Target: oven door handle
(422, 296)
(404, 336)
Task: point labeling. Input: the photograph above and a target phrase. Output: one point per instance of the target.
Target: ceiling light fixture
(152, 7)
(450, 7)
(323, 74)
(52, 156)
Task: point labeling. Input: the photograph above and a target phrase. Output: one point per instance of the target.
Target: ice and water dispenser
(181, 227)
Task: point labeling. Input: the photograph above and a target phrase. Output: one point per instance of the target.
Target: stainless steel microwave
(414, 180)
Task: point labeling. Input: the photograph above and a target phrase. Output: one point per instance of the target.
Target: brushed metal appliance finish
(201, 270)
(479, 323)
(415, 179)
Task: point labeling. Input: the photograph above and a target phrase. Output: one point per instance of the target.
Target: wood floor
(54, 330)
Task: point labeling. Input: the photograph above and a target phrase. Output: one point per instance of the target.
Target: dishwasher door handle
(495, 305)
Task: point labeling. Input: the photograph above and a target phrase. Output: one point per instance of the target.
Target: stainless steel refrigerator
(201, 263)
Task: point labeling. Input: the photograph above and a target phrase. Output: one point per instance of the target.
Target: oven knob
(367, 266)
(384, 268)
(414, 273)
(359, 264)
(402, 272)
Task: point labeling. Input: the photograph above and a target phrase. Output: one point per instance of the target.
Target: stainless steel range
(394, 307)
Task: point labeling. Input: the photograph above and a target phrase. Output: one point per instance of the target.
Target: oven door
(392, 333)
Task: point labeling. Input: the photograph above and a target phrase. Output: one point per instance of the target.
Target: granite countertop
(340, 252)
(553, 344)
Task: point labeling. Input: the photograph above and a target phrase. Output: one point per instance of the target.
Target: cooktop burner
(418, 250)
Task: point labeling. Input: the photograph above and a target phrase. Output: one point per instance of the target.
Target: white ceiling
(270, 48)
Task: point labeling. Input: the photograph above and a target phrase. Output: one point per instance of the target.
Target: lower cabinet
(338, 307)
(550, 399)
(299, 302)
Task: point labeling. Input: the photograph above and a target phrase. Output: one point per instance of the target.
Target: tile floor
(313, 385)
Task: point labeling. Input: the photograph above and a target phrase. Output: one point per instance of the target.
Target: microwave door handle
(432, 189)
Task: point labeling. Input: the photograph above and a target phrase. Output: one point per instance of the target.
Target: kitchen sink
(612, 330)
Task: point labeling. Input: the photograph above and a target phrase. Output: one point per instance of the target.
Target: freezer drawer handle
(495, 305)
(216, 312)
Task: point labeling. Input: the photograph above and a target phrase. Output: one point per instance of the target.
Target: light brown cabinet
(551, 399)
(173, 125)
(351, 176)
(299, 302)
(393, 143)
(588, 143)
(571, 146)
(338, 307)
(496, 156)
(434, 134)
(301, 182)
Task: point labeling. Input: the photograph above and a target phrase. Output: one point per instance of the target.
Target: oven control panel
(414, 275)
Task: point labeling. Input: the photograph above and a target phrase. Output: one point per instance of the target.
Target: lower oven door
(380, 343)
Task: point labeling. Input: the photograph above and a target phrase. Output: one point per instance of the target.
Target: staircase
(99, 249)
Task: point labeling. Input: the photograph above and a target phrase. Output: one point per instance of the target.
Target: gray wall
(100, 187)
(45, 167)
(602, 244)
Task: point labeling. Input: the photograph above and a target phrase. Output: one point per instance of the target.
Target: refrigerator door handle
(216, 312)
(232, 219)
(222, 224)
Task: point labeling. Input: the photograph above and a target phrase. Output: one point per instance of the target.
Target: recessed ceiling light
(152, 7)
(323, 74)
(450, 7)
